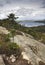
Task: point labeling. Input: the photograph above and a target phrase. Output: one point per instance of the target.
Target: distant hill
(40, 21)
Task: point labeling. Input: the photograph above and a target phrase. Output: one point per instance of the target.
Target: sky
(24, 9)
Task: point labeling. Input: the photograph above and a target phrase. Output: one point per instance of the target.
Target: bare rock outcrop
(3, 30)
(32, 50)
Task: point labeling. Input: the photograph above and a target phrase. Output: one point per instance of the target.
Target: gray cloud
(23, 2)
(43, 4)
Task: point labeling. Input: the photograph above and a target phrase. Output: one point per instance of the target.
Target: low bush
(10, 48)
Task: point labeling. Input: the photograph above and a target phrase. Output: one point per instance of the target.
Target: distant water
(31, 24)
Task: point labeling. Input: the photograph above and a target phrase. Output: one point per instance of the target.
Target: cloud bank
(25, 9)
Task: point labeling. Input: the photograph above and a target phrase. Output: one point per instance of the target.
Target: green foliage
(12, 17)
(13, 46)
(8, 48)
(7, 38)
(13, 32)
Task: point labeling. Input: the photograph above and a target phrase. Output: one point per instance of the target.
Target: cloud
(43, 4)
(23, 8)
(22, 2)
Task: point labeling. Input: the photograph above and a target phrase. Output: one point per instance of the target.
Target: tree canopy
(12, 17)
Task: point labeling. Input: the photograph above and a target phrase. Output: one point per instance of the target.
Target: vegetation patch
(10, 23)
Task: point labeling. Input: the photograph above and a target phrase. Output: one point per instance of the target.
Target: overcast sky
(28, 9)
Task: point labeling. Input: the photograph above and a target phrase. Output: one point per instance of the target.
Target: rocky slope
(32, 50)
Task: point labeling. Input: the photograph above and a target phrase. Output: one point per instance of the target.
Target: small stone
(12, 58)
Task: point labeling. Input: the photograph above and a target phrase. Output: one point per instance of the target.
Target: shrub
(10, 48)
